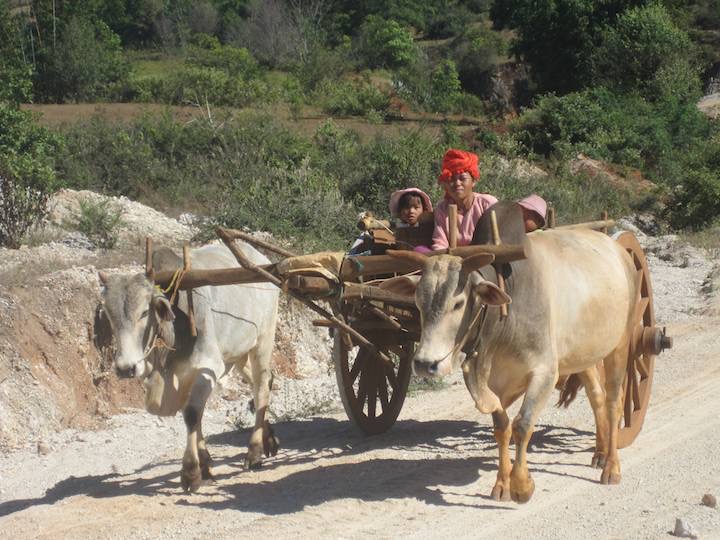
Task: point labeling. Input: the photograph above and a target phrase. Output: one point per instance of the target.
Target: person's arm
(439, 237)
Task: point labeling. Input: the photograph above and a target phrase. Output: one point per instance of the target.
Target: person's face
(532, 220)
(460, 186)
(411, 212)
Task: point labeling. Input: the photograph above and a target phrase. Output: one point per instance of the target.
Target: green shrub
(23, 205)
(444, 87)
(351, 98)
(99, 221)
(642, 45)
(477, 53)
(384, 43)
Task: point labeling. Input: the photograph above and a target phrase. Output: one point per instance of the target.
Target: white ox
(572, 301)
(235, 325)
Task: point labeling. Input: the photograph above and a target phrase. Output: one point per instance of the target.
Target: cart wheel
(372, 392)
(636, 392)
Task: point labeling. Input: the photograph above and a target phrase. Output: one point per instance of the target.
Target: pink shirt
(466, 220)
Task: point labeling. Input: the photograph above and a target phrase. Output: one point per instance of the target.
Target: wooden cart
(376, 330)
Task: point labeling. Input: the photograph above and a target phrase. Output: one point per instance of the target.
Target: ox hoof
(501, 492)
(190, 479)
(598, 460)
(610, 477)
(254, 458)
(522, 491)
(206, 473)
(271, 444)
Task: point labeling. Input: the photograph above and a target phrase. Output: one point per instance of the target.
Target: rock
(683, 529)
(709, 500)
(43, 449)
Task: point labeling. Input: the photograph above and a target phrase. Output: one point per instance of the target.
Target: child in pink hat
(408, 205)
(534, 209)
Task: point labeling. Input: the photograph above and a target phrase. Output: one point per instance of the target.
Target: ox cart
(375, 322)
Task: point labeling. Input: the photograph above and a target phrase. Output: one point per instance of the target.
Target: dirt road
(429, 477)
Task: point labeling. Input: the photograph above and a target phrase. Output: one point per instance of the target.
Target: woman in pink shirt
(460, 173)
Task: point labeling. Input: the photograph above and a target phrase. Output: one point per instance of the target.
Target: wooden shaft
(596, 225)
(244, 261)
(148, 256)
(500, 277)
(452, 225)
(191, 305)
(604, 217)
(214, 277)
(250, 239)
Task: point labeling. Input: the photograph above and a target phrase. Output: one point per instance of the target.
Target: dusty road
(429, 477)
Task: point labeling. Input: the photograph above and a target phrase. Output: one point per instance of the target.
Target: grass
(147, 64)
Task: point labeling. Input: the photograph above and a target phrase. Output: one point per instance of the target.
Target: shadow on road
(411, 474)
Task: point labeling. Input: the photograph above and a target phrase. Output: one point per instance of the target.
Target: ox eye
(144, 314)
(459, 304)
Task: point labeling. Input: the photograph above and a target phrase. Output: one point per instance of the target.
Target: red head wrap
(459, 161)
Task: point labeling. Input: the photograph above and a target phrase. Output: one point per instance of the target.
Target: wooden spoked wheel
(372, 391)
(640, 365)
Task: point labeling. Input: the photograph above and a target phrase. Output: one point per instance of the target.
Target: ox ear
(415, 258)
(103, 277)
(475, 262)
(491, 294)
(163, 308)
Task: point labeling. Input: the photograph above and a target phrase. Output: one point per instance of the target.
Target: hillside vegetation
(518, 81)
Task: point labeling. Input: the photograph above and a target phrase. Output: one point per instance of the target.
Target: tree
(557, 37)
(384, 43)
(15, 69)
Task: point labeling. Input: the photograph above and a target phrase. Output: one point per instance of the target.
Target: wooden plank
(500, 277)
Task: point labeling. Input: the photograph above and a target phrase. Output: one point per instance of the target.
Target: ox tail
(569, 387)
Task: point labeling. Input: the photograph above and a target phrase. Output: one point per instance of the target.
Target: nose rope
(478, 314)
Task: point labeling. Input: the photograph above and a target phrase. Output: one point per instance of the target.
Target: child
(534, 209)
(408, 205)
(460, 173)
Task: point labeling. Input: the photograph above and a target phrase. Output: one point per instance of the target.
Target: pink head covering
(535, 203)
(395, 200)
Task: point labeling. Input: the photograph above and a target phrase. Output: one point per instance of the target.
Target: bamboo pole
(551, 217)
(244, 261)
(452, 225)
(213, 277)
(604, 217)
(498, 267)
(191, 308)
(250, 239)
(148, 257)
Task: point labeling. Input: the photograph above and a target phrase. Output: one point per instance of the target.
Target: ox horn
(417, 259)
(475, 262)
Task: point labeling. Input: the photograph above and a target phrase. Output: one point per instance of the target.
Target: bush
(444, 87)
(99, 222)
(477, 53)
(385, 44)
(22, 206)
(642, 45)
(351, 98)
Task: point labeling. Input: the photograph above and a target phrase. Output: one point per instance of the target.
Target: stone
(709, 500)
(683, 529)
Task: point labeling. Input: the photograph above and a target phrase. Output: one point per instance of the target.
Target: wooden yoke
(191, 309)
(500, 277)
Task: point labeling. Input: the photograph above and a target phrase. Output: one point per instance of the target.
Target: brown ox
(571, 307)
